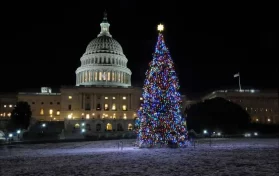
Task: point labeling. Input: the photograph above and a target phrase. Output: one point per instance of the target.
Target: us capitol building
(103, 98)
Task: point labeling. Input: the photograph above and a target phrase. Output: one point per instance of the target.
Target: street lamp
(83, 130)
(43, 125)
(18, 132)
(204, 131)
(10, 135)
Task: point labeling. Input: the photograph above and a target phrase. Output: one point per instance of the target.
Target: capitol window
(113, 107)
(96, 76)
(58, 113)
(100, 76)
(5, 106)
(109, 127)
(113, 98)
(10, 106)
(118, 77)
(124, 98)
(42, 111)
(108, 76)
(106, 107)
(130, 127)
(106, 98)
(124, 116)
(50, 111)
(112, 76)
(70, 97)
(124, 108)
(104, 76)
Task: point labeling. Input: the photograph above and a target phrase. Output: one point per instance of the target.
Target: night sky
(41, 44)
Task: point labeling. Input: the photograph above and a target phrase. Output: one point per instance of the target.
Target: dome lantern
(105, 26)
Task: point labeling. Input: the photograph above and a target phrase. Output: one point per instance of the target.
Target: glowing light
(70, 116)
(106, 98)
(43, 125)
(10, 135)
(204, 131)
(42, 111)
(50, 111)
(58, 113)
(124, 98)
(18, 131)
(113, 107)
(256, 134)
(106, 106)
(124, 107)
(70, 97)
(141, 98)
(268, 120)
(218, 134)
(10, 106)
(247, 135)
(160, 27)
(83, 130)
(87, 116)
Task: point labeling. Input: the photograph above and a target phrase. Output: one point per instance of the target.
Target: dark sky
(41, 44)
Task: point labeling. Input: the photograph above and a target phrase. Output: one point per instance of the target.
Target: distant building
(261, 105)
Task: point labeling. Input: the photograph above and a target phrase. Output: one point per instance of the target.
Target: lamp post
(18, 132)
(43, 126)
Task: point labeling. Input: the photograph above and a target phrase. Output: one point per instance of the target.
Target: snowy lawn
(247, 156)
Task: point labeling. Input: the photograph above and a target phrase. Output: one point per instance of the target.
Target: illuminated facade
(261, 105)
(102, 100)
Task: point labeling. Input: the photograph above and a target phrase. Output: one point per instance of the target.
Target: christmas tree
(160, 121)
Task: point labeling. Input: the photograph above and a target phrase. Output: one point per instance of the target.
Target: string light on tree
(160, 121)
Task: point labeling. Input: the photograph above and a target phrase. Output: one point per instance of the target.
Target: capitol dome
(104, 63)
(104, 44)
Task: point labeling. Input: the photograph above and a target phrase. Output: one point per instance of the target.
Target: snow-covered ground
(247, 156)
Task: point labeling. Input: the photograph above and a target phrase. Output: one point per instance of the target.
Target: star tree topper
(160, 27)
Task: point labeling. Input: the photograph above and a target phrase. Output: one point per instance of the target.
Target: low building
(45, 105)
(261, 105)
